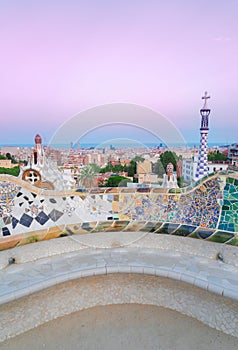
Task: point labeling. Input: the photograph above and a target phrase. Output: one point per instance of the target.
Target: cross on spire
(205, 98)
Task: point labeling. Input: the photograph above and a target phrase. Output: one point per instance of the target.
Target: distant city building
(148, 178)
(189, 167)
(95, 158)
(20, 153)
(179, 168)
(13, 150)
(7, 163)
(144, 167)
(233, 154)
(144, 173)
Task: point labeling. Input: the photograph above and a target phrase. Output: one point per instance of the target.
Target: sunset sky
(60, 57)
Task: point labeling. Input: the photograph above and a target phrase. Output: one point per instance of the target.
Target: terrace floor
(55, 263)
(123, 327)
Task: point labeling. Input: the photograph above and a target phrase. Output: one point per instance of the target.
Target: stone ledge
(19, 280)
(120, 240)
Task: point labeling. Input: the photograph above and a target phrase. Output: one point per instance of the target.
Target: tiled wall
(229, 214)
(207, 212)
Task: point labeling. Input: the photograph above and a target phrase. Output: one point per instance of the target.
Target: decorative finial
(205, 97)
(38, 140)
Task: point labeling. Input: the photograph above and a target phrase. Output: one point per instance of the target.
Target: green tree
(117, 181)
(180, 181)
(131, 169)
(216, 157)
(169, 157)
(87, 175)
(8, 155)
(10, 171)
(158, 168)
(138, 159)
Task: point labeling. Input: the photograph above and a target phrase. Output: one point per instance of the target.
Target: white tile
(7, 298)
(215, 288)
(137, 269)
(186, 278)
(230, 294)
(161, 272)
(149, 270)
(112, 269)
(174, 275)
(200, 283)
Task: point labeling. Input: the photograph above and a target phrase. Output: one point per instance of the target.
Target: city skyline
(63, 57)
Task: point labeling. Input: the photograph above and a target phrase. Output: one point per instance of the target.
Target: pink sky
(59, 57)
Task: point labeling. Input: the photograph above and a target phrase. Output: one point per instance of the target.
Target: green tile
(167, 228)
(225, 207)
(234, 241)
(174, 190)
(87, 227)
(220, 237)
(102, 226)
(134, 226)
(151, 226)
(230, 180)
(184, 230)
(194, 235)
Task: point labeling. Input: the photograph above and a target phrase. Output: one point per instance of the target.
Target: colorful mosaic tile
(134, 226)
(184, 230)
(204, 233)
(151, 226)
(233, 241)
(88, 226)
(204, 212)
(102, 226)
(117, 226)
(229, 214)
(168, 228)
(220, 237)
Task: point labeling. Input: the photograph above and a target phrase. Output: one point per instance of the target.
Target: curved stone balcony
(174, 272)
(122, 246)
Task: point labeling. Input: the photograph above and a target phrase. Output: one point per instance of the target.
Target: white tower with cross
(202, 168)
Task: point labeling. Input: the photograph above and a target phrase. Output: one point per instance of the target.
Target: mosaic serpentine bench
(208, 210)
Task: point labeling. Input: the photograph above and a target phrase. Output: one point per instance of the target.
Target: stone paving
(173, 272)
(22, 279)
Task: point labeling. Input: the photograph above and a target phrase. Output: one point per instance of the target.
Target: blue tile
(26, 220)
(5, 231)
(42, 218)
(14, 222)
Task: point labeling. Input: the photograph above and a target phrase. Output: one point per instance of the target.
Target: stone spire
(202, 167)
